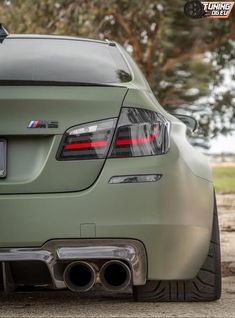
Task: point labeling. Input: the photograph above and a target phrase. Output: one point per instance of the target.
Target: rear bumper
(56, 251)
(171, 217)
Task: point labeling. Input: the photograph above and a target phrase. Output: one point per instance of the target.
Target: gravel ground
(66, 304)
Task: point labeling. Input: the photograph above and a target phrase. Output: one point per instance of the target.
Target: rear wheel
(206, 286)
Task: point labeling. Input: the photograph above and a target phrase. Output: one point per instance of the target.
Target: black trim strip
(53, 83)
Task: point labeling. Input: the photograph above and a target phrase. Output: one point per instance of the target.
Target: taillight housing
(88, 141)
(139, 132)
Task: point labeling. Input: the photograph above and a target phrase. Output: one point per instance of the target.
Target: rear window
(61, 61)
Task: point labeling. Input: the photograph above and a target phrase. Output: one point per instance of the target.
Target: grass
(224, 179)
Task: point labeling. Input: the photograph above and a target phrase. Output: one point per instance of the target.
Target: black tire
(206, 286)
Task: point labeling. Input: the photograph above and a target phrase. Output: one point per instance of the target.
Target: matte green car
(98, 183)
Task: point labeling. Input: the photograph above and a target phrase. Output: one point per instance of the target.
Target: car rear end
(97, 180)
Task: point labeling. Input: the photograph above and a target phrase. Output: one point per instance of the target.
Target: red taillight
(137, 141)
(86, 145)
(89, 141)
(139, 132)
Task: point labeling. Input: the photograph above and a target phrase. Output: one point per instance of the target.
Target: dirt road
(66, 304)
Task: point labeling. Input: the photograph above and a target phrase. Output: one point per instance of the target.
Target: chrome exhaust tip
(115, 275)
(79, 276)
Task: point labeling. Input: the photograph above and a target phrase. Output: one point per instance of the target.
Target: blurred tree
(190, 64)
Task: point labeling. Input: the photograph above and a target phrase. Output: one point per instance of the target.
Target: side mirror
(189, 121)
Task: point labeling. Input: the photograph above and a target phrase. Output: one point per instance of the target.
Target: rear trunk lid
(31, 153)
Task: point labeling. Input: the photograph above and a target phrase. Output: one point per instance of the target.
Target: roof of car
(55, 37)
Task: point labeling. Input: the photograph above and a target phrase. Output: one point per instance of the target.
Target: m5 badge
(43, 124)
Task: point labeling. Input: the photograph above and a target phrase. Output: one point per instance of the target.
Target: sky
(223, 144)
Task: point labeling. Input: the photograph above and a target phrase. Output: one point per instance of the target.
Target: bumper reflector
(135, 178)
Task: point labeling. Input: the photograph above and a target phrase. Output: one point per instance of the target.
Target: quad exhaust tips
(115, 275)
(79, 276)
